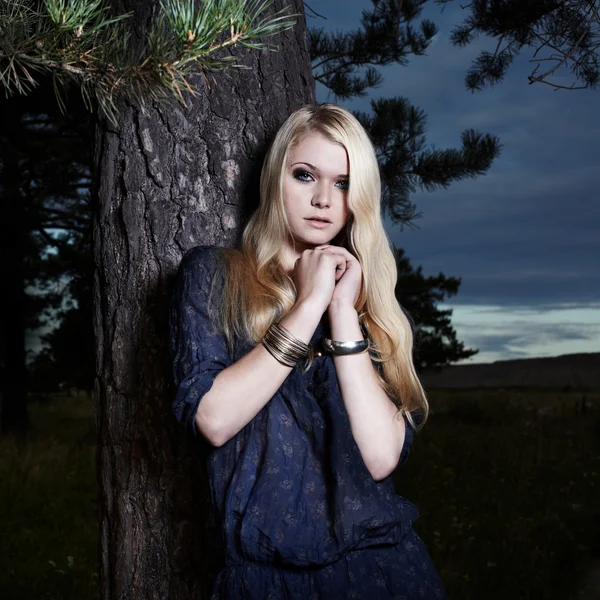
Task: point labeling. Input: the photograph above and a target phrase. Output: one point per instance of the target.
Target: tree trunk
(165, 182)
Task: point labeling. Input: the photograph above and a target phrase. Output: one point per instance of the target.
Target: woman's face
(315, 185)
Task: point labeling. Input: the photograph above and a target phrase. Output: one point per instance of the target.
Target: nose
(322, 197)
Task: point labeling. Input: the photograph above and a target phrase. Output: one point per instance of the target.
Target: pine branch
(313, 11)
(386, 36)
(565, 34)
(397, 130)
(80, 40)
(561, 60)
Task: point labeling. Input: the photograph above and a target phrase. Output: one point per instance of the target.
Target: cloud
(499, 333)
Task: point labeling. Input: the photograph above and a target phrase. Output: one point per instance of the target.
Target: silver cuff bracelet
(342, 348)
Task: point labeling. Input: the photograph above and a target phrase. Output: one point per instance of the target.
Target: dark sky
(525, 238)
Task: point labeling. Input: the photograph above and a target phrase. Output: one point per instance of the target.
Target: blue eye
(302, 175)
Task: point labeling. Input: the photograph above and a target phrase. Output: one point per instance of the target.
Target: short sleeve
(197, 347)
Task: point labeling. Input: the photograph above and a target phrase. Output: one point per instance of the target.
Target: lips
(318, 223)
(318, 219)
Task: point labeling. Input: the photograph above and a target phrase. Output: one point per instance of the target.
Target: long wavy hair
(257, 290)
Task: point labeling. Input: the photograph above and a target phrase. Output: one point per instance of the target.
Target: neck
(289, 256)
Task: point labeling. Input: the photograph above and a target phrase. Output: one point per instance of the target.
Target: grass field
(507, 484)
(48, 506)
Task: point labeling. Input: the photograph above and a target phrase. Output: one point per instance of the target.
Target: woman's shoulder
(198, 266)
(204, 261)
(202, 256)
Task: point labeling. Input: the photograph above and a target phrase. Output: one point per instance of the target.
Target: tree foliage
(49, 154)
(81, 40)
(398, 131)
(435, 339)
(560, 35)
(387, 35)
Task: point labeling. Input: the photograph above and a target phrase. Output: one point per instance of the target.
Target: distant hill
(574, 371)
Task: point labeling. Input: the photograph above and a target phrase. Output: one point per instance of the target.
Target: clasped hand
(327, 274)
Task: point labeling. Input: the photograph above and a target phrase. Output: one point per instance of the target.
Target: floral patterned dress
(301, 516)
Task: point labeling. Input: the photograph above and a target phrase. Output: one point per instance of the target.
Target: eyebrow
(316, 168)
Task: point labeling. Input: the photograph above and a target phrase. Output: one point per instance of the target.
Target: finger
(342, 258)
(338, 250)
(336, 260)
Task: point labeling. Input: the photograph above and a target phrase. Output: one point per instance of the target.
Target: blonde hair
(258, 291)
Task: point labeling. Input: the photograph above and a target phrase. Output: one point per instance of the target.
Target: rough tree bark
(165, 182)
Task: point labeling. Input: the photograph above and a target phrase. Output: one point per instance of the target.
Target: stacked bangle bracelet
(290, 351)
(284, 347)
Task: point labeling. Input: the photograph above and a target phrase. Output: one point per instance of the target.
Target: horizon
(505, 360)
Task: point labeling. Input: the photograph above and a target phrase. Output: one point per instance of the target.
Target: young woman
(293, 359)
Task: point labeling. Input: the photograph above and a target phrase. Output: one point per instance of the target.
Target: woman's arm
(240, 391)
(219, 398)
(377, 427)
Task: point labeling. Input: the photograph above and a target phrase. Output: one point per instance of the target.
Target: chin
(316, 240)
(315, 237)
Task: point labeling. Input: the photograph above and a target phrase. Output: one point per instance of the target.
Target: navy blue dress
(302, 518)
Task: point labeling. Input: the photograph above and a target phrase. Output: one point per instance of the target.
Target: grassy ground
(48, 506)
(507, 484)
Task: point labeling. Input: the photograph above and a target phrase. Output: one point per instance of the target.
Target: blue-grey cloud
(516, 339)
(501, 332)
